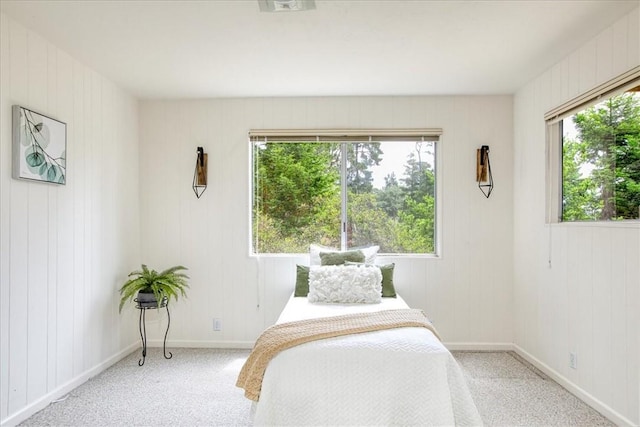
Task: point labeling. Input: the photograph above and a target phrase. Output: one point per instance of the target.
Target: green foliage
(298, 197)
(607, 145)
(391, 197)
(419, 179)
(417, 226)
(580, 199)
(370, 224)
(360, 157)
(168, 283)
(294, 180)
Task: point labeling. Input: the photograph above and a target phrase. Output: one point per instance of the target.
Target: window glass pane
(387, 192)
(601, 161)
(391, 196)
(296, 198)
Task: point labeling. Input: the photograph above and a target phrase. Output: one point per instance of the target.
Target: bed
(400, 376)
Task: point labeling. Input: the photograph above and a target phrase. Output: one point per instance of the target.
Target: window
(346, 191)
(598, 146)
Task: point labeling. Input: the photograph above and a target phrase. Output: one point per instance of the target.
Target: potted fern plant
(154, 289)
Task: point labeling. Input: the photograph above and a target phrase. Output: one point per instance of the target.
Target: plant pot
(148, 300)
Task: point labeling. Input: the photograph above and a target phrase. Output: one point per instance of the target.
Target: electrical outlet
(217, 325)
(573, 360)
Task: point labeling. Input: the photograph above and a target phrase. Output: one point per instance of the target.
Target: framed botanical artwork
(39, 147)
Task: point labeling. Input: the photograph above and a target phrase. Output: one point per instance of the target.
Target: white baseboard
(203, 344)
(478, 346)
(456, 346)
(29, 410)
(586, 397)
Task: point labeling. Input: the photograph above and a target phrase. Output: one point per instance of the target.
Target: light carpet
(508, 391)
(197, 388)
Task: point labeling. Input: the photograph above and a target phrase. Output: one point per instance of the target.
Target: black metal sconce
(483, 171)
(200, 173)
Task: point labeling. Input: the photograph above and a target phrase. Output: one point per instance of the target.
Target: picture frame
(39, 147)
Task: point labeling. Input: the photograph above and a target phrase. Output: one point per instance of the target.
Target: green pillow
(388, 290)
(339, 258)
(302, 281)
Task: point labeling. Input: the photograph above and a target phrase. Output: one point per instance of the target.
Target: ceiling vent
(286, 5)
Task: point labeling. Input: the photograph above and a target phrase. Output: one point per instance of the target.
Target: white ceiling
(198, 49)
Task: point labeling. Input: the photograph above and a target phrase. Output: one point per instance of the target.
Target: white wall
(468, 292)
(64, 249)
(587, 300)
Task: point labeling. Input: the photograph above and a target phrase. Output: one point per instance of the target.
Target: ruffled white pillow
(345, 284)
(370, 253)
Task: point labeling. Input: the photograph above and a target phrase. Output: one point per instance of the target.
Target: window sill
(383, 256)
(630, 223)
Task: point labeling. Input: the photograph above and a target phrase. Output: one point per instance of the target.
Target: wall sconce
(200, 173)
(483, 171)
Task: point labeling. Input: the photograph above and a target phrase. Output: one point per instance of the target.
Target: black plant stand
(142, 322)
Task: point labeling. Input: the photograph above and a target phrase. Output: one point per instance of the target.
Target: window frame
(349, 135)
(554, 143)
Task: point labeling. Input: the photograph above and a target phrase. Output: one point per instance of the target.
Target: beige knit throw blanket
(286, 335)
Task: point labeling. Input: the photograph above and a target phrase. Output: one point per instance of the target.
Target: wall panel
(5, 225)
(62, 257)
(37, 284)
(585, 299)
(19, 205)
(467, 291)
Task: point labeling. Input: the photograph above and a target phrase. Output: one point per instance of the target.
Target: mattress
(402, 376)
(299, 308)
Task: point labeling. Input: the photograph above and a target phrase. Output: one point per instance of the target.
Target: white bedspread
(402, 376)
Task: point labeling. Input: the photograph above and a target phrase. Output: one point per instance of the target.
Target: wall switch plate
(217, 325)
(573, 360)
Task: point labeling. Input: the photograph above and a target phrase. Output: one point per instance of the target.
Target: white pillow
(314, 253)
(345, 284)
(370, 253)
